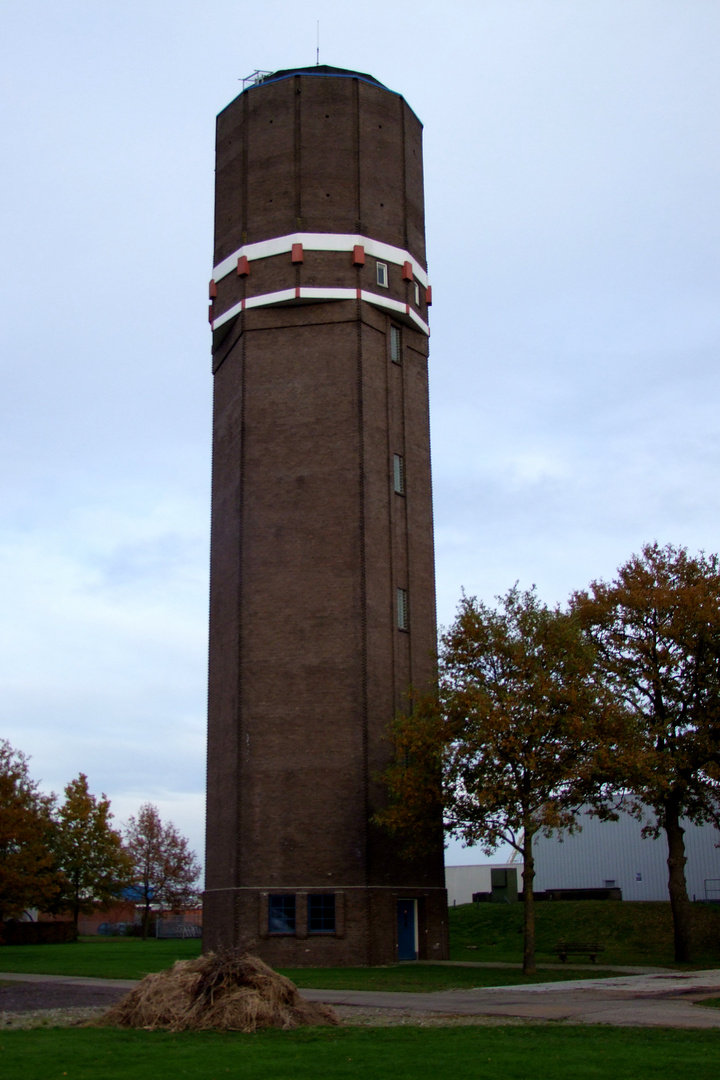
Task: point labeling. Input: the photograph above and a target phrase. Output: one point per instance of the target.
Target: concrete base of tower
(329, 927)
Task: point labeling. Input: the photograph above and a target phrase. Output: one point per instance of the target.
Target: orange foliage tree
(28, 874)
(656, 629)
(515, 743)
(165, 870)
(90, 855)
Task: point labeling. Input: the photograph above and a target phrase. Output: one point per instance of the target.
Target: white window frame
(395, 344)
(399, 474)
(381, 275)
(403, 621)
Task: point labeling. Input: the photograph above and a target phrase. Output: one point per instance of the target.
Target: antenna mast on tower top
(317, 50)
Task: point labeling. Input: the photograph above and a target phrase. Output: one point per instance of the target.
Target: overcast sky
(572, 174)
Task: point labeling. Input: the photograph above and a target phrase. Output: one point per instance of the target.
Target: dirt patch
(355, 1016)
(46, 1018)
(348, 1015)
(55, 1004)
(21, 997)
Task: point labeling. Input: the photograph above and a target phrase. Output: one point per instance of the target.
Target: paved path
(624, 969)
(68, 980)
(652, 1000)
(661, 1000)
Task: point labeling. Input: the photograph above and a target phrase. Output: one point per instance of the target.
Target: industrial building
(606, 857)
(614, 855)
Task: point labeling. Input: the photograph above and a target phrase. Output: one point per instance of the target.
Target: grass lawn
(130, 958)
(632, 933)
(423, 978)
(101, 958)
(461, 1053)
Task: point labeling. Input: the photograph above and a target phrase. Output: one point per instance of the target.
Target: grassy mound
(228, 991)
(632, 932)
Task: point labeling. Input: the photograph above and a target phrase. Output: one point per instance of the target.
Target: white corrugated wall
(614, 852)
(462, 881)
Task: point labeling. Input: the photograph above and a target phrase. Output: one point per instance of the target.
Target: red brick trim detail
(358, 255)
(243, 266)
(213, 290)
(428, 296)
(297, 253)
(407, 271)
(210, 313)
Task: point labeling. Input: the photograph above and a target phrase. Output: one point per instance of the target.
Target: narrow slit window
(402, 609)
(382, 274)
(399, 474)
(417, 295)
(395, 345)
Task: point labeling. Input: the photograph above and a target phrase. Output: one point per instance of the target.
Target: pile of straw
(229, 991)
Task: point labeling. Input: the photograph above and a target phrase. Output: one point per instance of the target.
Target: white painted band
(401, 890)
(306, 292)
(278, 245)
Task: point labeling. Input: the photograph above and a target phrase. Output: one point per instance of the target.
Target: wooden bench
(565, 948)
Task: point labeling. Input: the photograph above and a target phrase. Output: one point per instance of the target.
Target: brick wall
(310, 542)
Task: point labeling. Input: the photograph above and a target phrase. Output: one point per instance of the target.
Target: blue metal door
(407, 937)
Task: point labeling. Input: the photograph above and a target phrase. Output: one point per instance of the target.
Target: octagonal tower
(322, 608)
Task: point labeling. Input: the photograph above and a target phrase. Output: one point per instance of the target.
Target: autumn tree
(28, 876)
(514, 743)
(165, 870)
(657, 631)
(89, 852)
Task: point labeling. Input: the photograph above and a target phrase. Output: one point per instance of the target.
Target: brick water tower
(322, 596)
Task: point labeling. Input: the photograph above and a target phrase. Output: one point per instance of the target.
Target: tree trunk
(146, 920)
(528, 905)
(76, 904)
(679, 902)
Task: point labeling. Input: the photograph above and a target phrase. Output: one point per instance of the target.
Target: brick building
(322, 607)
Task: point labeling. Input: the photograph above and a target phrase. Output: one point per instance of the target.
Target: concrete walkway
(624, 969)
(661, 1000)
(70, 980)
(651, 1000)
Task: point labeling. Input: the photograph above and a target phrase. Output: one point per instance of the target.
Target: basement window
(398, 474)
(382, 274)
(402, 610)
(281, 914)
(321, 913)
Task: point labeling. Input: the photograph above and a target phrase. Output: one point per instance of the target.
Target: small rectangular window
(281, 914)
(382, 275)
(402, 609)
(321, 913)
(399, 474)
(417, 295)
(395, 345)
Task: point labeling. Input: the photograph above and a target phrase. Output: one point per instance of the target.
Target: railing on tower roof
(255, 78)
